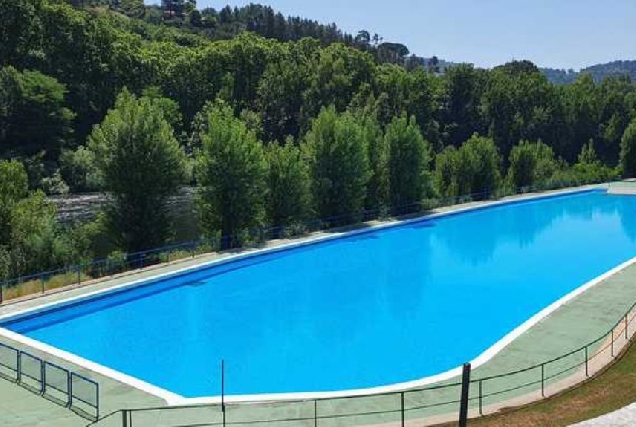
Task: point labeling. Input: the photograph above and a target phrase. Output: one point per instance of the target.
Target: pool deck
(573, 325)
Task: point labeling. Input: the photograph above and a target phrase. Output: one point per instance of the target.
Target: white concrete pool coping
(174, 399)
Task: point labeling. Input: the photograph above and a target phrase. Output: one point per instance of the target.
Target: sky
(551, 33)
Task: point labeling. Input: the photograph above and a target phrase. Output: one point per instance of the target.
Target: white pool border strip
(174, 399)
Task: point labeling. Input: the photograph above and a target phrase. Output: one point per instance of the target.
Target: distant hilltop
(598, 72)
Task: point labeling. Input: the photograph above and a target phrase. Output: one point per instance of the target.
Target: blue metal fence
(50, 381)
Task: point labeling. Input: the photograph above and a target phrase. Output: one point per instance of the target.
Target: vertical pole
(124, 418)
(41, 284)
(223, 390)
(69, 389)
(42, 376)
(481, 398)
(315, 413)
(463, 407)
(79, 274)
(19, 380)
(402, 407)
(542, 380)
(97, 401)
(587, 371)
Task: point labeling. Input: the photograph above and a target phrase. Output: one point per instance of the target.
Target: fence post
(43, 376)
(69, 389)
(124, 418)
(97, 400)
(481, 397)
(587, 372)
(402, 406)
(79, 274)
(2, 292)
(463, 406)
(315, 413)
(19, 378)
(542, 380)
(223, 390)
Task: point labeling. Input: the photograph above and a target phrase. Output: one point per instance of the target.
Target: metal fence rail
(57, 384)
(40, 283)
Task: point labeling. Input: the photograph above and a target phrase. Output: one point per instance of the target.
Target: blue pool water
(377, 308)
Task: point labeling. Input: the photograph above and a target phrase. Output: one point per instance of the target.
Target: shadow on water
(423, 224)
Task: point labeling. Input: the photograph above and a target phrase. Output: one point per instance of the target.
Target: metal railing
(75, 275)
(435, 403)
(57, 384)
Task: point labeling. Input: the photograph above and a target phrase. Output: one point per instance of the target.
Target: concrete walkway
(587, 317)
(625, 417)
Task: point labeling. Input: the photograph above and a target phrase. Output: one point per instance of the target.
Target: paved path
(625, 417)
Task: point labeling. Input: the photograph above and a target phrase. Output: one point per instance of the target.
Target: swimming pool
(374, 308)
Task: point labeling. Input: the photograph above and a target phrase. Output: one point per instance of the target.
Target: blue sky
(551, 33)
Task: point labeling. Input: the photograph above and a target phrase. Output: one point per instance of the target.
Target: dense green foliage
(473, 169)
(289, 184)
(339, 164)
(141, 165)
(628, 150)
(409, 159)
(272, 120)
(30, 237)
(531, 163)
(32, 114)
(232, 172)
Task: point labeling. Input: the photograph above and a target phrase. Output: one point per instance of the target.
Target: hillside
(598, 72)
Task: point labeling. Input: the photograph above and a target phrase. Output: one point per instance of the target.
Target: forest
(269, 129)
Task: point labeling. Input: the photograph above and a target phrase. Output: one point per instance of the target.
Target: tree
(628, 150)
(339, 164)
(141, 165)
(30, 238)
(337, 75)
(79, 170)
(472, 171)
(531, 164)
(462, 101)
(232, 173)
(409, 157)
(393, 53)
(19, 30)
(484, 163)
(520, 104)
(288, 181)
(14, 187)
(280, 92)
(33, 115)
(378, 154)
(451, 178)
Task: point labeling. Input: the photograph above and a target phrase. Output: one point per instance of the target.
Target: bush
(532, 165)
